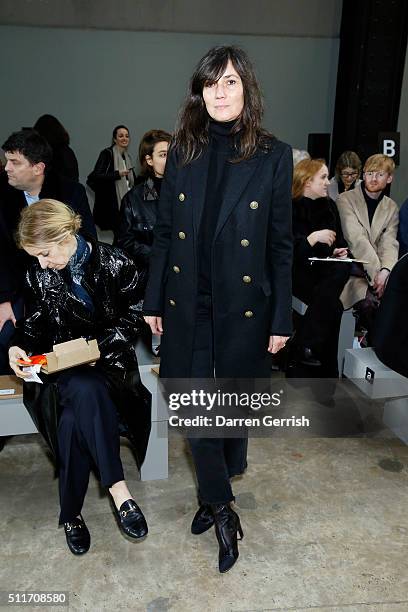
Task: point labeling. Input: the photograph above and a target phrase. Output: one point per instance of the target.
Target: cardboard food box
(10, 386)
(69, 354)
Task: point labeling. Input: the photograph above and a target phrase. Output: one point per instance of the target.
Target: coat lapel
(237, 179)
(361, 208)
(378, 221)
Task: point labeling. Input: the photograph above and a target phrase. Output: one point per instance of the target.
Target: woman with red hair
(317, 233)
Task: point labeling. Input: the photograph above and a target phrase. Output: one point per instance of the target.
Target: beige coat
(376, 244)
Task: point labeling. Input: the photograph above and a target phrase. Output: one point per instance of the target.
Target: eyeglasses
(375, 175)
(349, 174)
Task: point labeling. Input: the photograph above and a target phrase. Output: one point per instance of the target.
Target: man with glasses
(369, 219)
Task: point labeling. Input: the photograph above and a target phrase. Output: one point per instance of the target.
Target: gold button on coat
(246, 279)
(244, 242)
(172, 302)
(176, 269)
(249, 314)
(254, 205)
(181, 235)
(182, 197)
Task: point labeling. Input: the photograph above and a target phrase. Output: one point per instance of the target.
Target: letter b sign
(389, 144)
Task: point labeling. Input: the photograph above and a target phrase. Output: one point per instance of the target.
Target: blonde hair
(379, 162)
(298, 155)
(46, 221)
(303, 172)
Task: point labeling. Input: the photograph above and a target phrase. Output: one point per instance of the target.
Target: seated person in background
(138, 212)
(317, 233)
(76, 287)
(369, 220)
(298, 155)
(64, 161)
(403, 229)
(346, 176)
(28, 177)
(390, 335)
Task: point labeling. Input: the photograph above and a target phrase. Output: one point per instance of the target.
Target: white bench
(377, 381)
(15, 420)
(346, 332)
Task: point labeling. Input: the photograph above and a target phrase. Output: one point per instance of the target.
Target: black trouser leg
(87, 435)
(216, 460)
(320, 289)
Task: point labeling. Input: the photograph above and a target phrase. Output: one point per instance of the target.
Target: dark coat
(251, 256)
(310, 216)
(54, 314)
(390, 336)
(102, 181)
(65, 163)
(138, 216)
(13, 261)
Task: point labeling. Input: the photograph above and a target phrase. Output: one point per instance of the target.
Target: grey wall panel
(266, 17)
(92, 80)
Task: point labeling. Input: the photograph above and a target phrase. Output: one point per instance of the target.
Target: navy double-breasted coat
(251, 262)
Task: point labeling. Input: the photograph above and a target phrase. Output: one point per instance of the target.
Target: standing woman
(111, 179)
(219, 286)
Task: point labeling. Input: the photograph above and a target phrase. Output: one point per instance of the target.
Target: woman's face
(54, 255)
(122, 138)
(316, 187)
(157, 160)
(348, 176)
(224, 99)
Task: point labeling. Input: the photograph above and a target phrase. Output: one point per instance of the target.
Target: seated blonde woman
(76, 287)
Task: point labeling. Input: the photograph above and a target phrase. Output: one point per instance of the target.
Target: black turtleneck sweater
(372, 203)
(221, 151)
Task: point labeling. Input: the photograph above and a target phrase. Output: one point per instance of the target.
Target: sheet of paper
(336, 259)
(33, 371)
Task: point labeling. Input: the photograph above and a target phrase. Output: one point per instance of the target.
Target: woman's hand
(155, 324)
(340, 253)
(276, 343)
(123, 172)
(326, 236)
(15, 352)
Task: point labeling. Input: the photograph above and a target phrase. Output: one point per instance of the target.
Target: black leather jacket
(138, 215)
(54, 314)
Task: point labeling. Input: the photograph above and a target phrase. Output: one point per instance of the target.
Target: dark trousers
(320, 286)
(216, 460)
(88, 437)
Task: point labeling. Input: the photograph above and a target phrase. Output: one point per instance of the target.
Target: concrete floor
(325, 521)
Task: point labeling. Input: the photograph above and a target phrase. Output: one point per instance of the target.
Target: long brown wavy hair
(191, 136)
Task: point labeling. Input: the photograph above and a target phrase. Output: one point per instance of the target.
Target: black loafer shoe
(308, 358)
(131, 519)
(203, 520)
(78, 536)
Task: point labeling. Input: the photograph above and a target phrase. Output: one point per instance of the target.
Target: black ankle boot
(227, 524)
(203, 520)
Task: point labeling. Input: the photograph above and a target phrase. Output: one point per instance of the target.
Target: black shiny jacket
(54, 314)
(138, 216)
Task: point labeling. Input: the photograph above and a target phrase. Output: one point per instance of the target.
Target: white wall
(92, 80)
